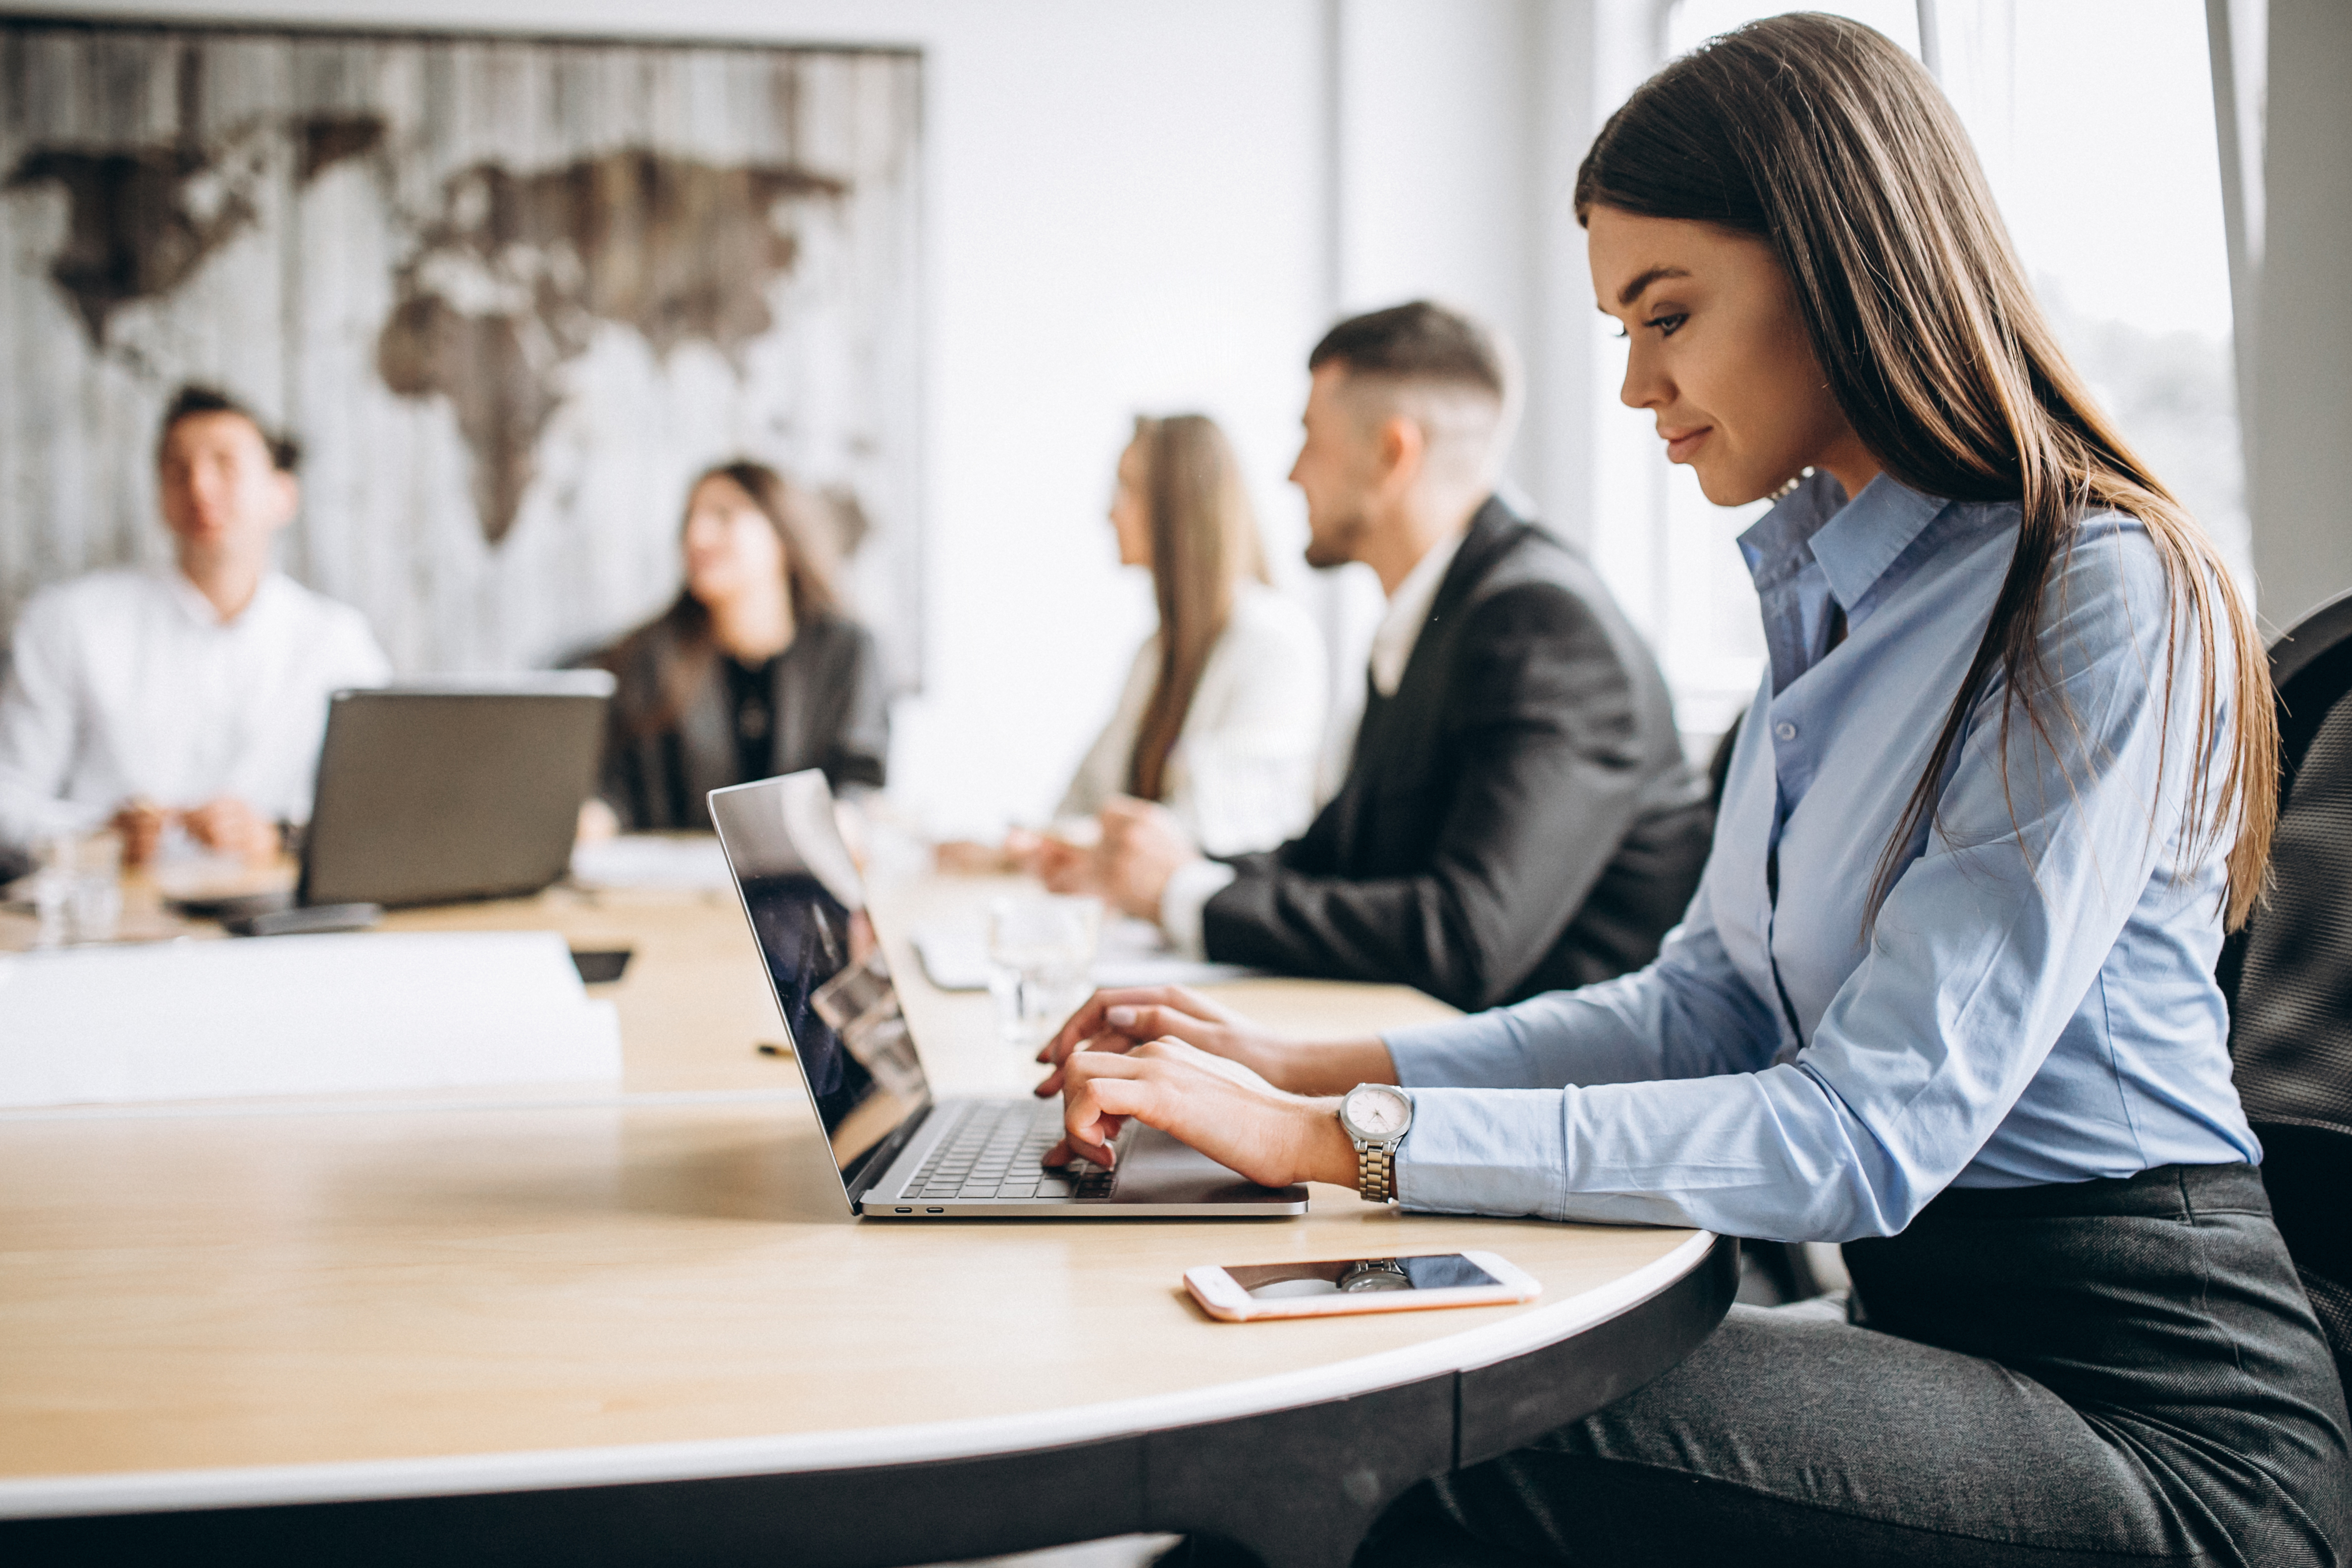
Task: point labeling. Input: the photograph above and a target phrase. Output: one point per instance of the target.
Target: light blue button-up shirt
(2035, 1002)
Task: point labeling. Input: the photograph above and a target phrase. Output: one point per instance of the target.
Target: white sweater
(1242, 775)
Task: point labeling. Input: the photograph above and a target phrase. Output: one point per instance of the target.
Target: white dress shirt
(1191, 886)
(127, 684)
(1242, 773)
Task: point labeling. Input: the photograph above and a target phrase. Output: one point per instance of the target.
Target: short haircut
(1418, 341)
(194, 400)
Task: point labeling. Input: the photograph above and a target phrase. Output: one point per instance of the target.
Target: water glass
(78, 889)
(1041, 955)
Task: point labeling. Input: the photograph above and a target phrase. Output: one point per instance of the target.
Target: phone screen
(1348, 1275)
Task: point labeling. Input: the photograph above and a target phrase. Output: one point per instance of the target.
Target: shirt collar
(1855, 541)
(1409, 607)
(199, 610)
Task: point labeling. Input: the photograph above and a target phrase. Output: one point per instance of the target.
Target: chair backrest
(2288, 974)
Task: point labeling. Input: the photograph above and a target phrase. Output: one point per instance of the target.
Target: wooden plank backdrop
(509, 294)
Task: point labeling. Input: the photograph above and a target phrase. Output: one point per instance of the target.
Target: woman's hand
(1062, 866)
(1211, 1103)
(1118, 1021)
(1121, 1020)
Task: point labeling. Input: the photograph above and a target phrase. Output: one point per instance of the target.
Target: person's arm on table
(1550, 778)
(38, 725)
(1983, 950)
(1688, 1015)
(230, 827)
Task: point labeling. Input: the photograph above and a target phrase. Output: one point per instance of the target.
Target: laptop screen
(806, 903)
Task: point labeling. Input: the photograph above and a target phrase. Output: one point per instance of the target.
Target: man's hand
(598, 824)
(1142, 846)
(1216, 1106)
(142, 823)
(1121, 1020)
(232, 828)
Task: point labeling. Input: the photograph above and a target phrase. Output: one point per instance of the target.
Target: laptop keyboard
(993, 1152)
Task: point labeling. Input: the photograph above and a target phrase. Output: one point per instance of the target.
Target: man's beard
(1335, 545)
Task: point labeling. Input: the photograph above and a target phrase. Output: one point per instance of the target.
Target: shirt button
(1785, 730)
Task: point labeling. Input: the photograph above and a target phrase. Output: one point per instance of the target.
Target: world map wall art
(509, 295)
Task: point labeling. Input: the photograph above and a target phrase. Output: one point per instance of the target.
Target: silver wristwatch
(1376, 1117)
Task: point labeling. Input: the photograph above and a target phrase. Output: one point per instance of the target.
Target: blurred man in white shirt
(191, 697)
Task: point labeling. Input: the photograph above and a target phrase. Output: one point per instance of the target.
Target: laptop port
(935, 1211)
(906, 1211)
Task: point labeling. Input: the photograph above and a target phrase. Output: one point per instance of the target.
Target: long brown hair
(1204, 539)
(1826, 140)
(812, 578)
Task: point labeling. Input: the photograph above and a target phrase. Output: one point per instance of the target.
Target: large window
(2095, 122)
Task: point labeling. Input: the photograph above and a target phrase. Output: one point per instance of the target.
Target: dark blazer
(830, 712)
(1518, 818)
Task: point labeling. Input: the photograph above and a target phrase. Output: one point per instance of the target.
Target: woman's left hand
(1216, 1106)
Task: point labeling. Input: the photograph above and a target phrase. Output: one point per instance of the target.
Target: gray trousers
(2107, 1373)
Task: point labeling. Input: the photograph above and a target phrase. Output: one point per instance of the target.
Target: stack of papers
(297, 1014)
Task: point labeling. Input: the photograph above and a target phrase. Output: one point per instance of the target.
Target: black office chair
(2288, 976)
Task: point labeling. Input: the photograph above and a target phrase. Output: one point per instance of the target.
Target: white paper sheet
(955, 957)
(688, 861)
(297, 1014)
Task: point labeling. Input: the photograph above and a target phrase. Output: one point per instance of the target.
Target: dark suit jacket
(1518, 818)
(830, 712)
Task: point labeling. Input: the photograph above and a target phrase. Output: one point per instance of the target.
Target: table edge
(356, 1480)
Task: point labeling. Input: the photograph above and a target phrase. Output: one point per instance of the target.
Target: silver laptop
(901, 1153)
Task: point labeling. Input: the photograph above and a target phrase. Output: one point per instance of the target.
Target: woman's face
(731, 548)
(1131, 514)
(1719, 355)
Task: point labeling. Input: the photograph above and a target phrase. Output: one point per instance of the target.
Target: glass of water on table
(1041, 960)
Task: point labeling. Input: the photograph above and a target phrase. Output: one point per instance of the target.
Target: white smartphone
(1332, 1287)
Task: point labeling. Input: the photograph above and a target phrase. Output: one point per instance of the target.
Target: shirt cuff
(1483, 1151)
(1190, 887)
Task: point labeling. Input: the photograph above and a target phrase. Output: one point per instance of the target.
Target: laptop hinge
(883, 1155)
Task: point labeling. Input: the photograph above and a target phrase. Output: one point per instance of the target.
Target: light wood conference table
(636, 1322)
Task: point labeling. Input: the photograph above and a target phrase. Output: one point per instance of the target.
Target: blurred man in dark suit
(1518, 816)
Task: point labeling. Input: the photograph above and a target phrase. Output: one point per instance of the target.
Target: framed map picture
(509, 295)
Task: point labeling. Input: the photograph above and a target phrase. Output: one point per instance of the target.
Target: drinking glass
(1041, 955)
(78, 889)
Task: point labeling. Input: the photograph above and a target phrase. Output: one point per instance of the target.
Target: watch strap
(1376, 1172)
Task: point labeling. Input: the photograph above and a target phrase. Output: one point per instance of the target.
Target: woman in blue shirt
(1946, 992)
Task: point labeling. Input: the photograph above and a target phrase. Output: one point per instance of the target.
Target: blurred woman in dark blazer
(755, 670)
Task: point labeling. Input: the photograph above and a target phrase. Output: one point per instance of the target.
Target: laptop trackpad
(1156, 1169)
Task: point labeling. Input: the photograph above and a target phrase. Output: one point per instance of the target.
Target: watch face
(1377, 1113)
(1366, 1276)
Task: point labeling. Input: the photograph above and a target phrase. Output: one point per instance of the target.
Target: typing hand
(1218, 1106)
(1121, 1020)
(232, 828)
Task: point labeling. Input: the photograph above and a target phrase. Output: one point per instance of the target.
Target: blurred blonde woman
(1221, 717)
